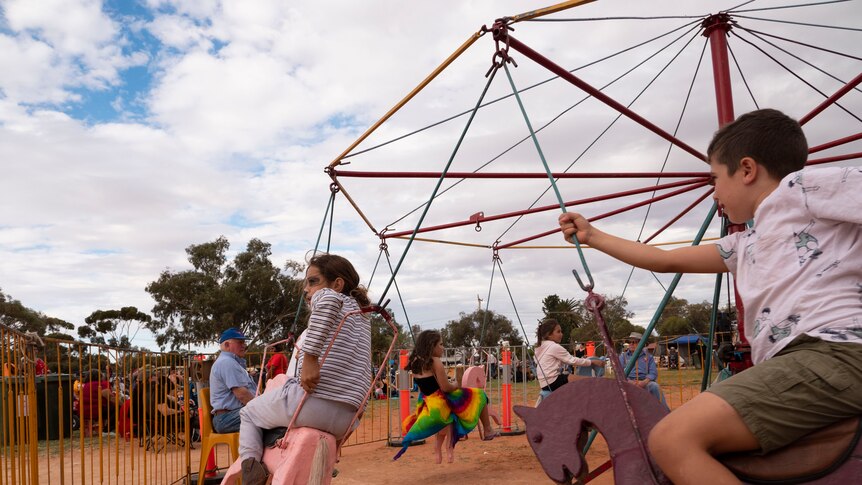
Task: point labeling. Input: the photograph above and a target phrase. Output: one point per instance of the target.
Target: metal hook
(584, 287)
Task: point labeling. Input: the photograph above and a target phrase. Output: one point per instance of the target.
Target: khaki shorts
(810, 384)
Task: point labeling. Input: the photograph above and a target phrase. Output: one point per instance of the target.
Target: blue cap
(231, 333)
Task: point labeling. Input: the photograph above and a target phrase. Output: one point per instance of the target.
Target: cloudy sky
(130, 129)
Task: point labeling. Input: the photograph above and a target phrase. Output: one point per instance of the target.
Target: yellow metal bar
(549, 10)
(440, 241)
(353, 203)
(473, 38)
(584, 246)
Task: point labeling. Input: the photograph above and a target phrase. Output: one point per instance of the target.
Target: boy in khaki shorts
(798, 270)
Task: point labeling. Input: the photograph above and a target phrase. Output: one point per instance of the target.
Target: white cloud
(251, 100)
(58, 45)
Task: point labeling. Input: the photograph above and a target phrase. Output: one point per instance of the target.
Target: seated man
(231, 387)
(645, 372)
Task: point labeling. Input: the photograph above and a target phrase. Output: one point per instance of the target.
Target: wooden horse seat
(811, 457)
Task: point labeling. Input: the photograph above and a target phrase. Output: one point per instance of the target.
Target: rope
(440, 181)
(612, 123)
(694, 25)
(532, 349)
(553, 183)
(329, 206)
(401, 300)
(742, 75)
(797, 76)
(488, 299)
(800, 23)
(810, 46)
(788, 6)
(675, 131)
(756, 34)
(458, 115)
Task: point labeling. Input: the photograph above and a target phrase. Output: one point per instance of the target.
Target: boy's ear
(750, 169)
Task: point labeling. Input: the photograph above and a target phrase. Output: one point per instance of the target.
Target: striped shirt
(346, 372)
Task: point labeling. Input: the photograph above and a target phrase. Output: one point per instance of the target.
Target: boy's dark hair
(773, 139)
(545, 328)
(420, 357)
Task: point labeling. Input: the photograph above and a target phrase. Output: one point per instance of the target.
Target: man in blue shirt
(645, 373)
(231, 387)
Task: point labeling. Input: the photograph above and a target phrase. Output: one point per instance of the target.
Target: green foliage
(115, 324)
(681, 317)
(468, 329)
(15, 315)
(194, 306)
(569, 313)
(616, 316)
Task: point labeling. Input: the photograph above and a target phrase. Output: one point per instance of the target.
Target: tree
(195, 306)
(616, 316)
(567, 312)
(115, 324)
(15, 315)
(381, 336)
(468, 330)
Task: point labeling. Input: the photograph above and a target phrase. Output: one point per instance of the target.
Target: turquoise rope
(439, 183)
(329, 206)
(550, 178)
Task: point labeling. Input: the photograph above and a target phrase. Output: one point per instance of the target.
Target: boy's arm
(689, 259)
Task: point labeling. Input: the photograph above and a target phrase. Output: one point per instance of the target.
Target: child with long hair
(446, 410)
(336, 388)
(551, 356)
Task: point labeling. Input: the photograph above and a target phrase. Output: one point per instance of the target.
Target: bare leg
(440, 438)
(684, 442)
(450, 450)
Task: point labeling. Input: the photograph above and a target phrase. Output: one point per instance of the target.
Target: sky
(131, 129)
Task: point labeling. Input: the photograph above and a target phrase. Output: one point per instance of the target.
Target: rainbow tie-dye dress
(461, 408)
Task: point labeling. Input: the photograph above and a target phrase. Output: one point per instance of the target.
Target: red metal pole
(507, 391)
(608, 214)
(403, 385)
(594, 92)
(831, 99)
(510, 175)
(547, 207)
(678, 216)
(716, 28)
(835, 143)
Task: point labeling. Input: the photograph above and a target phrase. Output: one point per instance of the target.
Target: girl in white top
(551, 356)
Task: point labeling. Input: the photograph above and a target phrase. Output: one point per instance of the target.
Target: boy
(800, 264)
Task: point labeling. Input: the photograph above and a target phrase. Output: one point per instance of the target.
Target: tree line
(193, 306)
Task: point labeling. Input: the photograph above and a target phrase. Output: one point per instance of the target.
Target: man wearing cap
(645, 373)
(231, 387)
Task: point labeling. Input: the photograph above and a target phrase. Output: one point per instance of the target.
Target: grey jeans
(276, 407)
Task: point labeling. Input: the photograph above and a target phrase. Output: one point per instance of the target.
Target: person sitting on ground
(645, 373)
(446, 410)
(231, 387)
(797, 264)
(335, 389)
(551, 357)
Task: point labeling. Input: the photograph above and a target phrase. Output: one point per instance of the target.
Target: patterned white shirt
(799, 269)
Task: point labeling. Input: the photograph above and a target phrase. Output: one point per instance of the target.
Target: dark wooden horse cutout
(554, 429)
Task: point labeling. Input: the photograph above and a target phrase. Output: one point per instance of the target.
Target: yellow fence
(76, 413)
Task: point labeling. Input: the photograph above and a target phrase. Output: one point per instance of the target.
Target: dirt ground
(507, 459)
